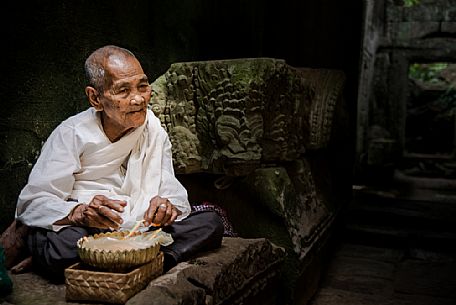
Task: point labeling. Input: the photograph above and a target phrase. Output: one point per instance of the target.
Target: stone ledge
(239, 271)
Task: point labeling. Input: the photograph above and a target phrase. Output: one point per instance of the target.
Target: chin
(139, 118)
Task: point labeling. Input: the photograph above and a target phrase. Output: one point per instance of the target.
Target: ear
(93, 96)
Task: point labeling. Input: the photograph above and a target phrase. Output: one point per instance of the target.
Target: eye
(123, 91)
(144, 87)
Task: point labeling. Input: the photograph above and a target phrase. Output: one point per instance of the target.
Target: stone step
(354, 279)
(397, 216)
(419, 216)
(423, 182)
(384, 236)
(241, 270)
(406, 193)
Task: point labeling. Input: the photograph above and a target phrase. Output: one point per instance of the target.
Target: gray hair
(95, 64)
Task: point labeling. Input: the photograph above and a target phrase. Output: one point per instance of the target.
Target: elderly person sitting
(107, 168)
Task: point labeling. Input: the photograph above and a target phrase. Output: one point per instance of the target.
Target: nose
(137, 100)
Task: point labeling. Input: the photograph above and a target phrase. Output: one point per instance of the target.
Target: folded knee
(215, 224)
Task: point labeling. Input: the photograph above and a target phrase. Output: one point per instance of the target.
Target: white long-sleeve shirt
(78, 162)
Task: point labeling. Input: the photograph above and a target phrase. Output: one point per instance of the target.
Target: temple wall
(397, 34)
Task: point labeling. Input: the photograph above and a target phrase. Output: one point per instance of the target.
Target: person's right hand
(101, 212)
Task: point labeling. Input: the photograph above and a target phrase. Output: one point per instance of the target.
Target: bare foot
(24, 266)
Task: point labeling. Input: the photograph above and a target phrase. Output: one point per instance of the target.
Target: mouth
(137, 110)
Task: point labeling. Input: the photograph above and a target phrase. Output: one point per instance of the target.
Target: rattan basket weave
(115, 261)
(83, 284)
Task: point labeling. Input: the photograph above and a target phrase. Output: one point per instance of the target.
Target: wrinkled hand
(101, 213)
(161, 212)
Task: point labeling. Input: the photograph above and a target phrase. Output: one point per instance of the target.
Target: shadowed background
(46, 43)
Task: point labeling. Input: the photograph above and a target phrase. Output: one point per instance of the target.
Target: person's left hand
(161, 212)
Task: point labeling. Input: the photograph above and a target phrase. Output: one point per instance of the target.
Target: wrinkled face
(126, 95)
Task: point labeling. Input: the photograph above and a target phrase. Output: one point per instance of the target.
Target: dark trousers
(52, 252)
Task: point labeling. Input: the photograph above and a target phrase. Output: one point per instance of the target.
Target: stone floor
(397, 247)
(367, 275)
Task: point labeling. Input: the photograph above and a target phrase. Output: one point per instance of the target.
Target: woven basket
(119, 260)
(83, 284)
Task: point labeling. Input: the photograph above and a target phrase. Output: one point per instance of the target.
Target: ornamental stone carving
(230, 116)
(268, 129)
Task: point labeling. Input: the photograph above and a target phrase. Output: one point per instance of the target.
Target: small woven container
(115, 260)
(90, 285)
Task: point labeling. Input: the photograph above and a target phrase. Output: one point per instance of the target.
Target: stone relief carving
(287, 107)
(327, 86)
(259, 118)
(230, 116)
(172, 103)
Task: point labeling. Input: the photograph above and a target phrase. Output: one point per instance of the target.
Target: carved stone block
(230, 116)
(293, 199)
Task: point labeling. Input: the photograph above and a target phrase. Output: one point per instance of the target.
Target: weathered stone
(240, 271)
(334, 296)
(229, 116)
(422, 10)
(30, 288)
(171, 288)
(450, 14)
(389, 255)
(295, 202)
(369, 273)
(425, 11)
(448, 27)
(13, 178)
(246, 266)
(248, 117)
(327, 86)
(406, 31)
(427, 278)
(407, 34)
(360, 275)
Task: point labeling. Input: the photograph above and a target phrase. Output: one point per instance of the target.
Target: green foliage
(426, 72)
(410, 3)
(6, 285)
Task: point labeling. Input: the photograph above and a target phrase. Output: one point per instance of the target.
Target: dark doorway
(430, 137)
